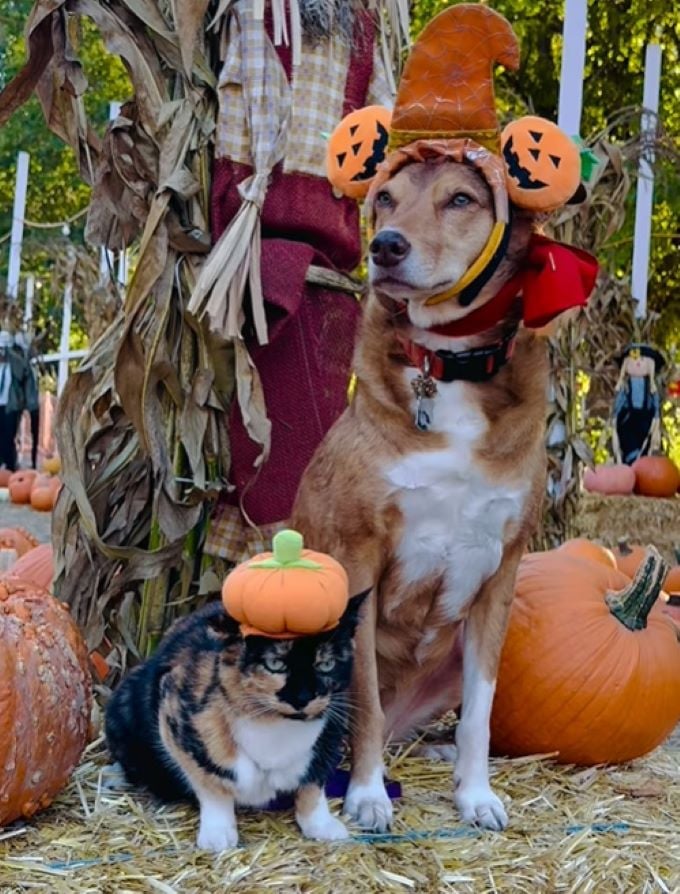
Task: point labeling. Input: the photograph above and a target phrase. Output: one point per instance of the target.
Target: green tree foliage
(618, 33)
(55, 189)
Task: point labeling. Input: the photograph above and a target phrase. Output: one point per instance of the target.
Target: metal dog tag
(425, 390)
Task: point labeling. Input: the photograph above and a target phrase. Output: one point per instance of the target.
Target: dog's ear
(355, 149)
(543, 164)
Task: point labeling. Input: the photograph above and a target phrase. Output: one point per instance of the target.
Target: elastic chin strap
(480, 271)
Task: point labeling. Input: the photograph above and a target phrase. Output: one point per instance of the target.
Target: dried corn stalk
(141, 425)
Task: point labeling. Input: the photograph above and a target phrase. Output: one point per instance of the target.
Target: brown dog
(434, 520)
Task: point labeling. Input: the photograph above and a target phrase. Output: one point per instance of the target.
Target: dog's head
(431, 221)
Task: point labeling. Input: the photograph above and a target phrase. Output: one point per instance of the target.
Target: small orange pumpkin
(543, 163)
(656, 476)
(582, 548)
(355, 149)
(35, 567)
(20, 484)
(5, 475)
(288, 593)
(17, 539)
(590, 664)
(44, 492)
(612, 479)
(45, 698)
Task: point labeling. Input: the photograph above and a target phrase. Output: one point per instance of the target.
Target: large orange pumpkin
(582, 548)
(45, 698)
(355, 149)
(543, 163)
(290, 592)
(590, 665)
(17, 539)
(35, 567)
(20, 484)
(656, 476)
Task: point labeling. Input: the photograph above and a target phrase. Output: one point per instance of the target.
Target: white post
(123, 267)
(644, 200)
(21, 186)
(573, 61)
(67, 310)
(28, 307)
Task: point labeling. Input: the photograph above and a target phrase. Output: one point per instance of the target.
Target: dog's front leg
(484, 634)
(367, 801)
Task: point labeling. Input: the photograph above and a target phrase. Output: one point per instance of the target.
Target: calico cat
(224, 719)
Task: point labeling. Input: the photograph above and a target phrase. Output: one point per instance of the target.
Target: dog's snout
(388, 248)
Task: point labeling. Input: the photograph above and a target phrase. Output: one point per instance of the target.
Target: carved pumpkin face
(543, 164)
(355, 149)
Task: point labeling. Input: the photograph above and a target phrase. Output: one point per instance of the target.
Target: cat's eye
(325, 665)
(274, 664)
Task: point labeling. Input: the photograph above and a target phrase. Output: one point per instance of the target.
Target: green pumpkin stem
(633, 604)
(287, 546)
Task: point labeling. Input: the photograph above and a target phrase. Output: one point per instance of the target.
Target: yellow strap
(475, 268)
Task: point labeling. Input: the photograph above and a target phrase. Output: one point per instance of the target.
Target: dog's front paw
(480, 806)
(326, 828)
(369, 805)
(216, 838)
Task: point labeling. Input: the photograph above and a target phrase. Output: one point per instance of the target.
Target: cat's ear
(224, 625)
(352, 614)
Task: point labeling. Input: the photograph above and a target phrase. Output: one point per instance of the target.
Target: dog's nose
(388, 248)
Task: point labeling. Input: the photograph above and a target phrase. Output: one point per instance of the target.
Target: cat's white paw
(479, 805)
(369, 805)
(326, 828)
(216, 837)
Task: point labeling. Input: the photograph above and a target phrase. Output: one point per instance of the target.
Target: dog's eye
(459, 200)
(383, 199)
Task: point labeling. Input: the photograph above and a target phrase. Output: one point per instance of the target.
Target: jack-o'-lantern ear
(543, 164)
(355, 149)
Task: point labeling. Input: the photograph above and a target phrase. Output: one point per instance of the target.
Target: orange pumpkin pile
(45, 698)
(287, 593)
(40, 490)
(649, 476)
(590, 666)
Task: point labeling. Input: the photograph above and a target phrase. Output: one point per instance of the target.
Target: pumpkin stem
(287, 547)
(633, 604)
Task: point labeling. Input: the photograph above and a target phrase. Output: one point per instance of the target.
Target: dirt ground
(36, 523)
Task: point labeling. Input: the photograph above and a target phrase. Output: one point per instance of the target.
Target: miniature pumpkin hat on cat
(287, 593)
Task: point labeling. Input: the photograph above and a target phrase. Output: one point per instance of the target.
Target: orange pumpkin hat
(446, 98)
(287, 593)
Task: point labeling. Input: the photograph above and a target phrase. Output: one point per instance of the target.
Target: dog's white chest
(272, 757)
(454, 515)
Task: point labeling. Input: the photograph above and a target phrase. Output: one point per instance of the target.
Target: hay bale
(640, 519)
(600, 829)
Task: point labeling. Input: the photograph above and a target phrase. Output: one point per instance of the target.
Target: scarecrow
(277, 283)
(637, 420)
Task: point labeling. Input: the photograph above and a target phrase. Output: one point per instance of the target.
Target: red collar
(554, 278)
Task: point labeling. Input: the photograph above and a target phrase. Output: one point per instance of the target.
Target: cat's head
(298, 678)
